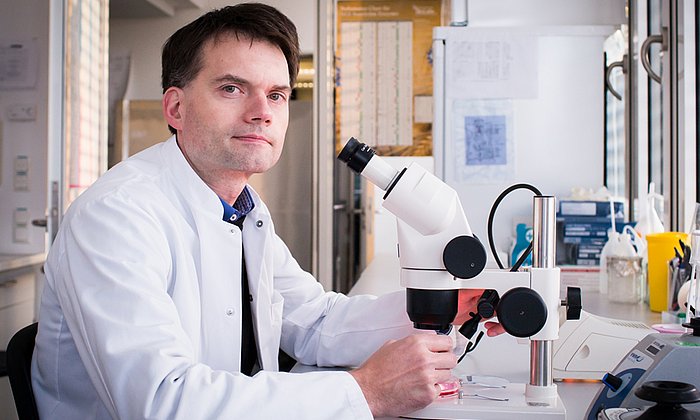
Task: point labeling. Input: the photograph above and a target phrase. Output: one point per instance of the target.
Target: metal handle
(39, 223)
(644, 52)
(622, 64)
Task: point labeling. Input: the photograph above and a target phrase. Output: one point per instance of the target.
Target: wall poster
(383, 65)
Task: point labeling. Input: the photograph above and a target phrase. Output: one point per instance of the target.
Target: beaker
(625, 279)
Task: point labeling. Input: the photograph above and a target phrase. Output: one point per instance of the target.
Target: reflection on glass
(655, 102)
(615, 48)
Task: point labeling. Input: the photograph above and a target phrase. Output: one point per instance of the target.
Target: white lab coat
(141, 312)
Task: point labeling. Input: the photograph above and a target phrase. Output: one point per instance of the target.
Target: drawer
(13, 318)
(16, 286)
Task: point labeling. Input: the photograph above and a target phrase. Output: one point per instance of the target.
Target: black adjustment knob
(668, 392)
(573, 303)
(464, 257)
(694, 324)
(611, 381)
(486, 306)
(522, 312)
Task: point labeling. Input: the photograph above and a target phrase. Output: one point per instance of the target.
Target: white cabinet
(17, 302)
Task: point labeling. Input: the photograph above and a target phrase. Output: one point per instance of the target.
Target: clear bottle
(625, 272)
(608, 249)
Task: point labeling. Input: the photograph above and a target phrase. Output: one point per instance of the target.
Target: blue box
(585, 240)
(590, 208)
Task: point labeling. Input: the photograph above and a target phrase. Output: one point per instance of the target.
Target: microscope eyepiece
(356, 155)
(361, 159)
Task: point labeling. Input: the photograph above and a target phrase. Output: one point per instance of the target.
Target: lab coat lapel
(219, 260)
(257, 239)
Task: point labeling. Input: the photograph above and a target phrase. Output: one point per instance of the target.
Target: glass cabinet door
(660, 146)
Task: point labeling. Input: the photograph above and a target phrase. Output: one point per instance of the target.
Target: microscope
(439, 254)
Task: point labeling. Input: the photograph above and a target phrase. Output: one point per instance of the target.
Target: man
(168, 293)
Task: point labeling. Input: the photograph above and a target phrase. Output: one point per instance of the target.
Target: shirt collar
(243, 205)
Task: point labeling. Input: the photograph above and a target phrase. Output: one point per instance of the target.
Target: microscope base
(478, 407)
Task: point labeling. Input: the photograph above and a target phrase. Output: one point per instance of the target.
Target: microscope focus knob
(573, 303)
(522, 312)
(464, 257)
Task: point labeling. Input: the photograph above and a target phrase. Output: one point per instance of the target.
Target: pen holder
(677, 276)
(625, 279)
(660, 251)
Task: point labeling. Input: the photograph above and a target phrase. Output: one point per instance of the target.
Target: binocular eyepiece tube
(361, 158)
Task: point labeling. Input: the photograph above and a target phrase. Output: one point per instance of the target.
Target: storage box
(590, 208)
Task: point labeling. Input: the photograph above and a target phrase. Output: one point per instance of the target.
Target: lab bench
(505, 356)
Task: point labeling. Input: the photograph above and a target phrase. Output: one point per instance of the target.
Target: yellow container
(660, 251)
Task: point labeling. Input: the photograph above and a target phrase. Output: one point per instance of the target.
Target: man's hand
(468, 298)
(401, 376)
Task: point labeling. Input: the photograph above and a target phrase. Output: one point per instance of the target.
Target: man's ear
(173, 107)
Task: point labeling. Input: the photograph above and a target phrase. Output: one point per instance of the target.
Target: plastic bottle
(625, 248)
(649, 220)
(640, 244)
(609, 248)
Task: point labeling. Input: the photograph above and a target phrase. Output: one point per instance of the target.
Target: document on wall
(18, 64)
(376, 82)
(486, 64)
(482, 136)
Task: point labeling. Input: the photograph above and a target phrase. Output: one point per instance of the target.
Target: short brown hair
(182, 57)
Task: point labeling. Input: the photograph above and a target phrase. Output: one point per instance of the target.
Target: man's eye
(276, 96)
(230, 89)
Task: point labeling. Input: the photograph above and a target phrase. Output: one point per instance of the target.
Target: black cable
(471, 347)
(492, 213)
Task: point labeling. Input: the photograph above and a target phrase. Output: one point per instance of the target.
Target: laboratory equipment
(669, 397)
(658, 356)
(594, 345)
(625, 278)
(667, 357)
(439, 255)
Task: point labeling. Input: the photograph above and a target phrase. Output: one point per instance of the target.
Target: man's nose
(259, 110)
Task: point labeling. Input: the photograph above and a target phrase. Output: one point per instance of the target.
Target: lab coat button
(259, 223)
(233, 231)
(229, 311)
(250, 298)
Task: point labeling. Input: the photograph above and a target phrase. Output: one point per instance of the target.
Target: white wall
(27, 20)
(558, 135)
(143, 39)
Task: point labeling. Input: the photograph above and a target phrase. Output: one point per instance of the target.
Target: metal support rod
(543, 256)
(544, 232)
(541, 363)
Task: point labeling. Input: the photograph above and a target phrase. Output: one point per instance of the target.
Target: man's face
(234, 114)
